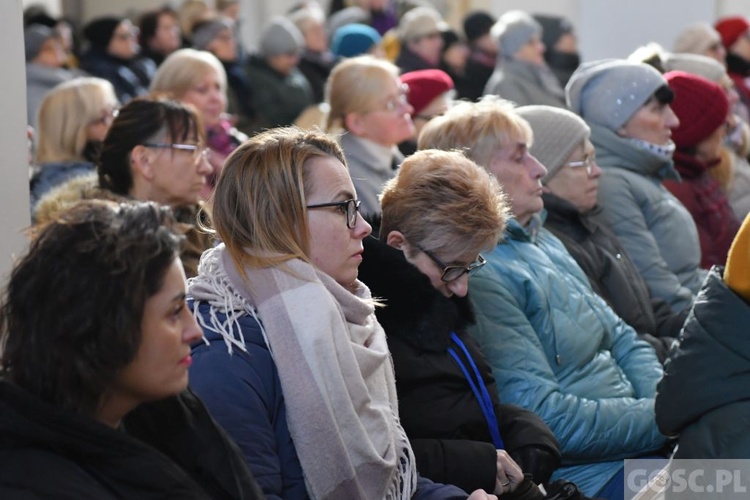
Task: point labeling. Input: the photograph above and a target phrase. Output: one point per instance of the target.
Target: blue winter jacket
(556, 348)
(242, 391)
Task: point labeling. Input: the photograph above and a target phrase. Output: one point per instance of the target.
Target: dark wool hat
(449, 38)
(425, 85)
(34, 37)
(204, 32)
(553, 27)
(700, 104)
(731, 29)
(99, 31)
(477, 24)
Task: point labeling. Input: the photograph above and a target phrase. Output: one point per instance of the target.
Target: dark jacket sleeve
(668, 322)
(428, 490)
(529, 441)
(467, 464)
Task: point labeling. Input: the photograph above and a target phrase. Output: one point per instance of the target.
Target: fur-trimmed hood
(413, 310)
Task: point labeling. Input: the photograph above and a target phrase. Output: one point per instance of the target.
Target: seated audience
(734, 37)
(561, 46)
(701, 39)
(154, 151)
(216, 35)
(112, 54)
(482, 54)
(562, 145)
(702, 108)
(198, 78)
(430, 95)
(73, 120)
(419, 31)
(369, 104)
(280, 90)
(94, 373)
(159, 34)
(454, 55)
(441, 207)
(555, 347)
(521, 74)
(294, 364)
(626, 104)
(316, 60)
(703, 396)
(45, 66)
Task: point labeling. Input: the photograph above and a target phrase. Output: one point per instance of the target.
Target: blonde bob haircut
(184, 69)
(355, 86)
(65, 114)
(480, 129)
(259, 205)
(441, 200)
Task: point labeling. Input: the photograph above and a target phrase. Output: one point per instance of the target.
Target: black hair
(664, 94)
(70, 317)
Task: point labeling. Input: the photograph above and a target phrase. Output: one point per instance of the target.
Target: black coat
(127, 77)
(170, 449)
(441, 416)
(612, 274)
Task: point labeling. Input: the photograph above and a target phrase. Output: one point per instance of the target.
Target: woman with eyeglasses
(562, 144)
(439, 212)
(294, 364)
(198, 78)
(74, 118)
(368, 103)
(94, 371)
(154, 151)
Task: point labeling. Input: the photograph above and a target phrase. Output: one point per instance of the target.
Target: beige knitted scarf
(335, 370)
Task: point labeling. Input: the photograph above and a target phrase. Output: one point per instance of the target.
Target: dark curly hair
(70, 317)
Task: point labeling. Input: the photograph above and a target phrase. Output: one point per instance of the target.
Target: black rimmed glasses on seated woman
(349, 207)
(451, 273)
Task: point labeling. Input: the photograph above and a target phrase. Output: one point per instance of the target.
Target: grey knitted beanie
(280, 36)
(610, 91)
(514, 29)
(205, 32)
(557, 133)
(706, 67)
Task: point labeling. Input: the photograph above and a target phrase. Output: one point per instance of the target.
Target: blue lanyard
(483, 397)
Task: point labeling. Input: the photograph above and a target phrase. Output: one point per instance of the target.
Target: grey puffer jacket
(656, 230)
(525, 83)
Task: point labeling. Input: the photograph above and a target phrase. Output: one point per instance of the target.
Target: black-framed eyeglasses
(348, 207)
(197, 150)
(588, 161)
(451, 273)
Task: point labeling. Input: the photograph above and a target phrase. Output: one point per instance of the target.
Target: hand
(481, 495)
(509, 474)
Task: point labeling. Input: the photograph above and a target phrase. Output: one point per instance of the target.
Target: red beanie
(731, 28)
(700, 104)
(425, 85)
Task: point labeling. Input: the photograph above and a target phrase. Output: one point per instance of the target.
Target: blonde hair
(258, 208)
(65, 114)
(354, 85)
(443, 200)
(479, 129)
(185, 68)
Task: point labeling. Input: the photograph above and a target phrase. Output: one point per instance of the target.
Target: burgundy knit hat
(700, 104)
(731, 28)
(425, 85)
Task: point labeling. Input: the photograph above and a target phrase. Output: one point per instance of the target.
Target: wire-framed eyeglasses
(451, 273)
(198, 151)
(350, 208)
(588, 161)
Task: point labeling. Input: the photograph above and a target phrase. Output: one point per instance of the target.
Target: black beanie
(477, 24)
(99, 31)
(553, 28)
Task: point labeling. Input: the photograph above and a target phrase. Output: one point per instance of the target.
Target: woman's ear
(140, 163)
(354, 122)
(395, 239)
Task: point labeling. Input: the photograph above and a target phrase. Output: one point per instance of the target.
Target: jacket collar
(615, 151)
(560, 212)
(413, 310)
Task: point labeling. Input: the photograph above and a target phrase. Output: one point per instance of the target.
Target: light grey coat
(40, 80)
(656, 230)
(525, 83)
